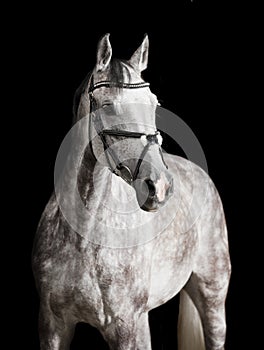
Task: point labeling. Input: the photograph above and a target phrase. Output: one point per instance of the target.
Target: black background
(195, 62)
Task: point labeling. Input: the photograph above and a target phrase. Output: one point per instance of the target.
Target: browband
(110, 84)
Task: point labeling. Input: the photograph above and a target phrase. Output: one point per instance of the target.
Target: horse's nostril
(151, 187)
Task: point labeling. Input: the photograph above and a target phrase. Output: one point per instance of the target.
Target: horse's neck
(105, 207)
(101, 190)
(86, 191)
(93, 181)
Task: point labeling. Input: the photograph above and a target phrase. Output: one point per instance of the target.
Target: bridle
(119, 168)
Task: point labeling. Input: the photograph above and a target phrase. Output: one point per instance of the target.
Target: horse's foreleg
(209, 299)
(143, 333)
(54, 333)
(209, 282)
(128, 333)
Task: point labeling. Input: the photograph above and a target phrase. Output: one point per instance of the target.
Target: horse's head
(123, 115)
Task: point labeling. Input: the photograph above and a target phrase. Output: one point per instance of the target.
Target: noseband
(121, 169)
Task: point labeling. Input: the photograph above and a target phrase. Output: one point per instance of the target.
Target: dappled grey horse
(128, 226)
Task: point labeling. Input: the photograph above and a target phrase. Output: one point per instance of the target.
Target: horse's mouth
(150, 210)
(151, 205)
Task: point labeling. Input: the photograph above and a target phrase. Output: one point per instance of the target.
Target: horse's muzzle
(151, 196)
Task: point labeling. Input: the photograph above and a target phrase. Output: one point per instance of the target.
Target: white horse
(129, 227)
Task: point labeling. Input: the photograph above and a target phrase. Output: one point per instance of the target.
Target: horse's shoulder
(191, 180)
(47, 226)
(186, 168)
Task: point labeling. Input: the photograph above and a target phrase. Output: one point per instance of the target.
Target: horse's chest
(111, 280)
(137, 279)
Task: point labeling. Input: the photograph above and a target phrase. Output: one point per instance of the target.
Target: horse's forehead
(141, 95)
(129, 74)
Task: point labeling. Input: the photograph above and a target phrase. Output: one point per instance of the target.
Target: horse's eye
(108, 108)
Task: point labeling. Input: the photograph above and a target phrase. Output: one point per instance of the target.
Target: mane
(115, 74)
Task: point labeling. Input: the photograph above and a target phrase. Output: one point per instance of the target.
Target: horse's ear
(104, 53)
(139, 59)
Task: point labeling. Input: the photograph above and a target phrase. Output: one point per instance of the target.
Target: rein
(119, 168)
